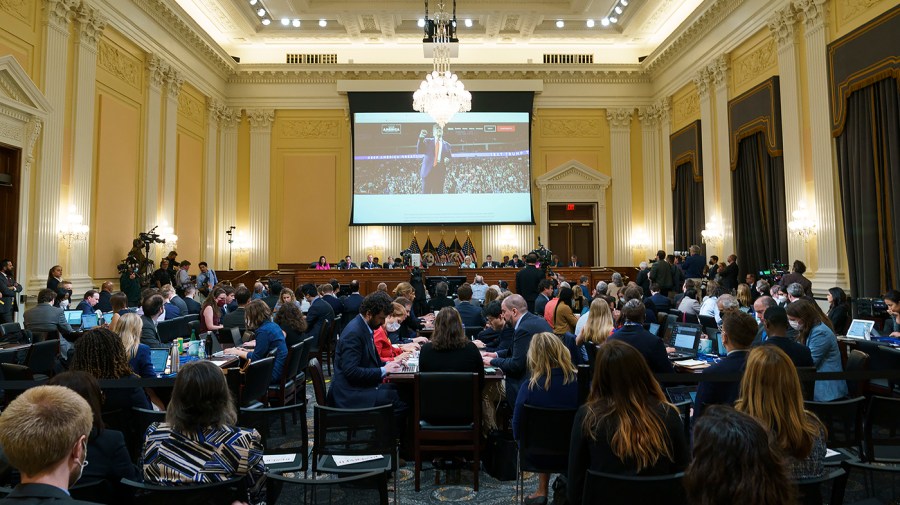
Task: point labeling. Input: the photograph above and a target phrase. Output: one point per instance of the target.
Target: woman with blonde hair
(597, 327)
(626, 426)
(553, 384)
(138, 354)
(286, 296)
(578, 301)
(743, 295)
(405, 290)
(771, 393)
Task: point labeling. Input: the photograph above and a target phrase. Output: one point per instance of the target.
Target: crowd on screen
(536, 336)
(464, 176)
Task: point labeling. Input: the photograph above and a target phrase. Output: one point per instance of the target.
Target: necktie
(437, 151)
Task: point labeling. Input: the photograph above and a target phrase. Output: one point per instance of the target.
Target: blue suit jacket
(513, 362)
(661, 303)
(357, 368)
(471, 315)
(721, 393)
(426, 146)
(319, 311)
(351, 306)
(648, 344)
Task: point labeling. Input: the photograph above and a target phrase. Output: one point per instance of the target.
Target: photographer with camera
(130, 284)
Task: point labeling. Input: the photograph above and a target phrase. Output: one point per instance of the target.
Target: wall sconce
(802, 226)
(713, 235)
(375, 242)
(507, 243)
(241, 243)
(640, 241)
(73, 229)
(167, 233)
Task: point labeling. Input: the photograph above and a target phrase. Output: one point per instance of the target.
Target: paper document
(350, 460)
(218, 362)
(829, 453)
(273, 459)
(690, 362)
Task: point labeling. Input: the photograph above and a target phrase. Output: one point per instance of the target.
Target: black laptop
(685, 340)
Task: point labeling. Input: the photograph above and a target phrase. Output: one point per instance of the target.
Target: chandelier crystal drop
(442, 94)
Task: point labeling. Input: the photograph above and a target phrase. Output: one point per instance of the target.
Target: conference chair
(41, 358)
(285, 390)
(843, 420)
(810, 490)
(314, 370)
(881, 431)
(226, 491)
(544, 437)
(257, 376)
(615, 489)
(291, 444)
(364, 488)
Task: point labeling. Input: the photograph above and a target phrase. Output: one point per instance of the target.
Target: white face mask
(796, 325)
(392, 327)
(781, 299)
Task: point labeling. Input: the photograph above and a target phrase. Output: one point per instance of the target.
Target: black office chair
(616, 489)
(584, 381)
(286, 389)
(544, 443)
(291, 441)
(364, 488)
(257, 377)
(843, 420)
(14, 332)
(40, 336)
(314, 371)
(881, 432)
(857, 361)
(684, 410)
(41, 358)
(167, 330)
(708, 321)
(447, 417)
(810, 490)
(98, 491)
(807, 385)
(141, 421)
(214, 493)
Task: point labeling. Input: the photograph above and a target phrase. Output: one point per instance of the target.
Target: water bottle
(175, 358)
(201, 352)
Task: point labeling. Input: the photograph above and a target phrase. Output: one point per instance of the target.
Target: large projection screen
(474, 170)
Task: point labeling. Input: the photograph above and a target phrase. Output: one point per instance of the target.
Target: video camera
(129, 264)
(151, 237)
(775, 272)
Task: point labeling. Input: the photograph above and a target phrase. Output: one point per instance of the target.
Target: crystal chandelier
(73, 230)
(803, 226)
(713, 234)
(441, 94)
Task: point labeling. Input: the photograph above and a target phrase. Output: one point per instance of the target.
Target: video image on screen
(406, 154)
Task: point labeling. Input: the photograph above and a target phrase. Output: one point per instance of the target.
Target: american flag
(468, 249)
(429, 247)
(454, 246)
(442, 248)
(414, 246)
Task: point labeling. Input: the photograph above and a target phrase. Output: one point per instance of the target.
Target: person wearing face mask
(58, 421)
(778, 294)
(211, 310)
(816, 333)
(387, 351)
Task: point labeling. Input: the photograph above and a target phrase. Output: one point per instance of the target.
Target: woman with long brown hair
(815, 331)
(211, 310)
(449, 350)
(770, 392)
(626, 426)
(553, 384)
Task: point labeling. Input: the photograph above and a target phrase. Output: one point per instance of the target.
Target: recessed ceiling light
(618, 10)
(604, 21)
(623, 2)
(285, 21)
(590, 23)
(613, 19)
(560, 23)
(421, 23)
(253, 2)
(296, 23)
(468, 23)
(323, 23)
(266, 21)
(261, 12)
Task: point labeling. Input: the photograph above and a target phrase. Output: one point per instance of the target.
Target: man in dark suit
(527, 280)
(498, 335)
(573, 261)
(105, 305)
(513, 361)
(235, 318)
(193, 306)
(643, 278)
(545, 288)
(634, 334)
(45, 317)
(91, 298)
(490, 263)
(693, 264)
(58, 421)
(776, 328)
(347, 263)
(369, 264)
(352, 302)
(515, 262)
(738, 330)
(326, 291)
(660, 303)
(358, 371)
(275, 288)
(319, 312)
(436, 160)
(471, 315)
(730, 273)
(152, 307)
(9, 288)
(661, 273)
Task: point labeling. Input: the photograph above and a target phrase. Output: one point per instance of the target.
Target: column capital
(174, 81)
(619, 119)
(229, 118)
(664, 105)
(90, 24)
(261, 119)
(58, 12)
(812, 13)
(781, 24)
(718, 71)
(650, 116)
(35, 125)
(156, 70)
(701, 80)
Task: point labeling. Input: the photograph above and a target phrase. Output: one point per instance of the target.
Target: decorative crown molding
(781, 24)
(90, 24)
(619, 119)
(174, 81)
(701, 80)
(58, 12)
(664, 105)
(812, 12)
(261, 119)
(156, 71)
(718, 71)
(650, 116)
(229, 118)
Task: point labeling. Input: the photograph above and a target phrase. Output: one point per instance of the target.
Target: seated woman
(815, 332)
(552, 384)
(892, 323)
(564, 320)
(725, 439)
(291, 321)
(449, 350)
(199, 442)
(287, 296)
(839, 310)
(323, 264)
(100, 353)
(689, 304)
(468, 263)
(627, 426)
(744, 297)
(109, 456)
(770, 392)
(138, 354)
(211, 311)
(593, 330)
(268, 337)
(119, 302)
(383, 346)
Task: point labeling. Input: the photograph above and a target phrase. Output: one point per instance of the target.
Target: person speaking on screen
(436, 160)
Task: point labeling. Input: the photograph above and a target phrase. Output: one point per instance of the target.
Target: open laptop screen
(73, 317)
(860, 329)
(159, 358)
(685, 336)
(88, 321)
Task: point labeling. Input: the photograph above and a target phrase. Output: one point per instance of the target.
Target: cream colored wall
(191, 138)
(685, 107)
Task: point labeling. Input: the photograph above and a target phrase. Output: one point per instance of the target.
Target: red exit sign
(570, 206)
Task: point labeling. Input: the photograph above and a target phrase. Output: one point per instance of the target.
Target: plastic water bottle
(201, 352)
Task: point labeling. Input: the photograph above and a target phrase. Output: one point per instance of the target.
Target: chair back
(684, 411)
(167, 330)
(314, 370)
(361, 488)
(229, 337)
(585, 372)
(40, 336)
(98, 491)
(843, 420)
(544, 439)
(12, 332)
(881, 433)
(42, 356)
(353, 431)
(615, 489)
(293, 438)
(708, 321)
(292, 364)
(15, 372)
(226, 491)
(857, 361)
(257, 377)
(810, 490)
(808, 386)
(447, 399)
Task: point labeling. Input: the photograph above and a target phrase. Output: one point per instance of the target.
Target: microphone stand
(229, 232)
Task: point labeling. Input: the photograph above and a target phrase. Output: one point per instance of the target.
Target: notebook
(89, 321)
(159, 358)
(860, 329)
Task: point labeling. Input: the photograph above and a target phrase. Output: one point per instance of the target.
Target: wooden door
(9, 203)
(572, 232)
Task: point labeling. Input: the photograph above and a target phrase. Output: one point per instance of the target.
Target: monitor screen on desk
(73, 317)
(453, 283)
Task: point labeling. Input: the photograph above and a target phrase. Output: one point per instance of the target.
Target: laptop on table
(685, 340)
(89, 321)
(860, 329)
(680, 394)
(73, 317)
(159, 358)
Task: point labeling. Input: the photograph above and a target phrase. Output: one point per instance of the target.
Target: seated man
(235, 318)
(738, 331)
(319, 313)
(490, 263)
(661, 303)
(45, 317)
(775, 328)
(44, 435)
(498, 335)
(632, 332)
(104, 304)
(441, 298)
(193, 306)
(470, 313)
(358, 371)
(153, 307)
(91, 298)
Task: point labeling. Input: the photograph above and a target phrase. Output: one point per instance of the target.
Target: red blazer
(383, 345)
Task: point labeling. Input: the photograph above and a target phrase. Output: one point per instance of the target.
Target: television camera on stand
(775, 272)
(138, 260)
